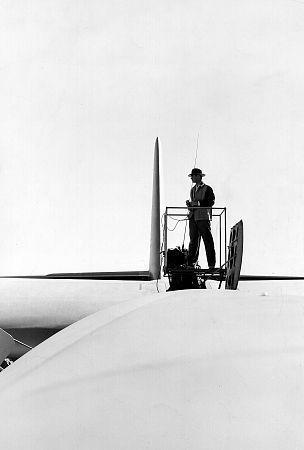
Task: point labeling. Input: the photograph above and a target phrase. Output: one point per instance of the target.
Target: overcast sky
(85, 88)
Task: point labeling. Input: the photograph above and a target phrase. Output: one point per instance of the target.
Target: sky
(86, 87)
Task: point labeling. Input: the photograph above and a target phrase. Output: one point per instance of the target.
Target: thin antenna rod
(197, 140)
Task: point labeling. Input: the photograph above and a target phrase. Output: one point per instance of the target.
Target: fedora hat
(196, 171)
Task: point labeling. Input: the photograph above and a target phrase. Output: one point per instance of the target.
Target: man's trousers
(198, 229)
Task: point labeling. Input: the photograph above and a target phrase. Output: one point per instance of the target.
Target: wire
(195, 159)
(197, 140)
(162, 221)
(171, 218)
(178, 221)
(183, 246)
(22, 343)
(160, 266)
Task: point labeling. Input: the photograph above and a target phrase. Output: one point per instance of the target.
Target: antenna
(196, 151)
(197, 140)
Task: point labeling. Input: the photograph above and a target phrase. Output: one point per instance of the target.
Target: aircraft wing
(184, 369)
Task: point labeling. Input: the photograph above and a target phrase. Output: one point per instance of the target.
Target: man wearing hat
(199, 219)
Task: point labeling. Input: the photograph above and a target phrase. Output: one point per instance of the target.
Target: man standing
(199, 219)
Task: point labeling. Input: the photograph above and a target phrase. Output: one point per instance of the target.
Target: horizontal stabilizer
(127, 275)
(268, 277)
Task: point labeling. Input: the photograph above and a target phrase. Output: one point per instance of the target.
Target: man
(199, 219)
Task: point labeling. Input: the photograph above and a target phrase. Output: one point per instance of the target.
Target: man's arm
(209, 197)
(189, 202)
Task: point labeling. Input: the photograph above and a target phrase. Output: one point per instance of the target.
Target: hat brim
(191, 174)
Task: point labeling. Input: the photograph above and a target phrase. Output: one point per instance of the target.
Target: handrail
(183, 211)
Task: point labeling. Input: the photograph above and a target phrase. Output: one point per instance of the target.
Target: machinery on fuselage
(184, 276)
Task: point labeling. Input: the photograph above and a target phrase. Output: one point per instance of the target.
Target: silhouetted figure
(199, 219)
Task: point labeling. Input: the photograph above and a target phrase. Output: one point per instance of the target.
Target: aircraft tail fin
(154, 262)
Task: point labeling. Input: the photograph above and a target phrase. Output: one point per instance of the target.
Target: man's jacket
(203, 196)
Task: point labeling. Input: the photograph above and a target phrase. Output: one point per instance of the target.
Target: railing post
(165, 241)
(220, 239)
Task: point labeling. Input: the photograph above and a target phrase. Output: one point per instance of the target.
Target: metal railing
(182, 213)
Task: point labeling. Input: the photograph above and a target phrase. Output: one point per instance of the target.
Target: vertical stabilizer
(154, 264)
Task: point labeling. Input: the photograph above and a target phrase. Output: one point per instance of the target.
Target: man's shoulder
(209, 191)
(208, 187)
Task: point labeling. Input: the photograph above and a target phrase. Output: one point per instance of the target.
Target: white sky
(86, 87)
